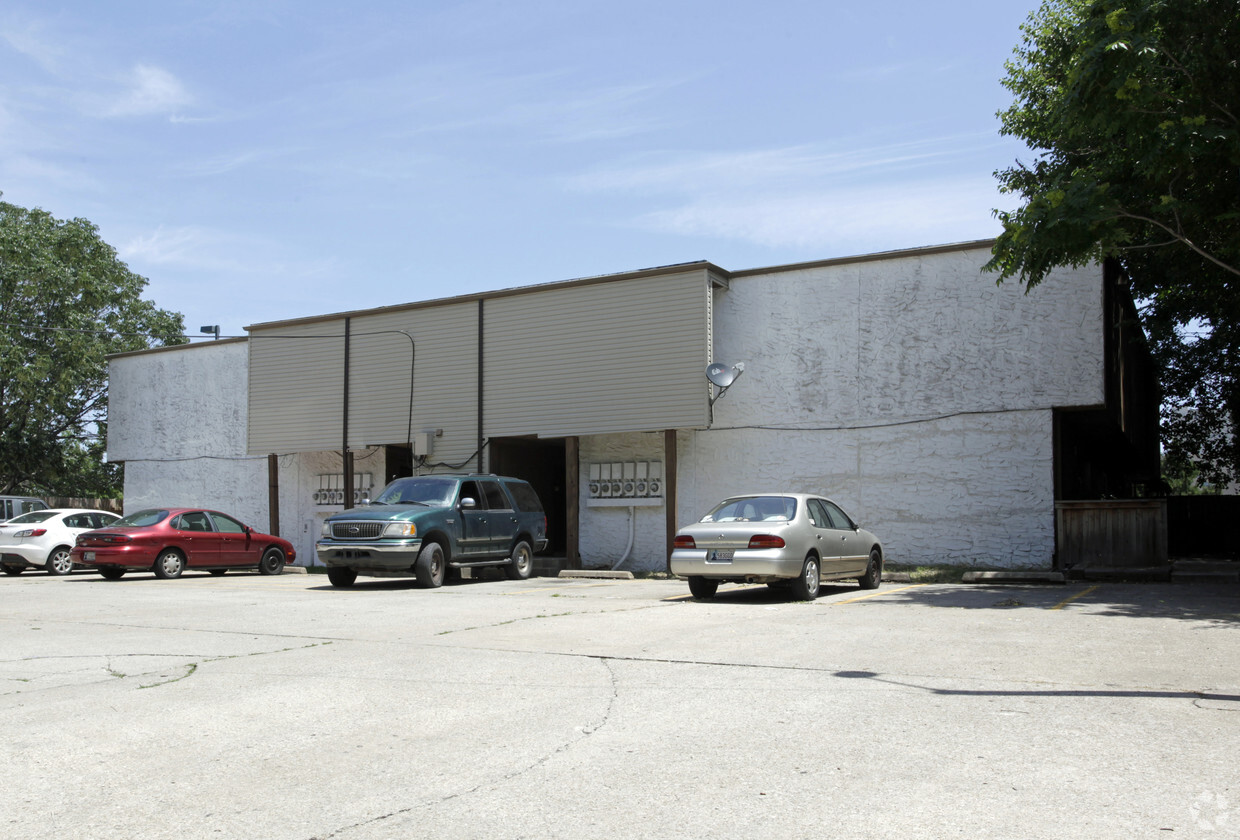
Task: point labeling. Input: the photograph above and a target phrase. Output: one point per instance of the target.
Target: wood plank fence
(112, 505)
(1111, 533)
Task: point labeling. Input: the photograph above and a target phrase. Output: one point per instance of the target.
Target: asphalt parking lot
(253, 707)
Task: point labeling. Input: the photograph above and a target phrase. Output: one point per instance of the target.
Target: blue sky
(258, 161)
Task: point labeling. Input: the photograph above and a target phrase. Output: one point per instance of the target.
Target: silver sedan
(792, 540)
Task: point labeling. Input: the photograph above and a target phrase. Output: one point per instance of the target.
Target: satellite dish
(722, 375)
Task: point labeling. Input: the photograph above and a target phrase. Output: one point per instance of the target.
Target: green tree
(1131, 107)
(66, 301)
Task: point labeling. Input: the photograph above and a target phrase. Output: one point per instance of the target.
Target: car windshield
(36, 516)
(754, 509)
(437, 492)
(141, 519)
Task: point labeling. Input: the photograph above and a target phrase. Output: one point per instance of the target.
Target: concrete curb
(603, 574)
(1014, 577)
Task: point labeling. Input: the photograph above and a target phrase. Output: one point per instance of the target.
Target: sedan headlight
(400, 529)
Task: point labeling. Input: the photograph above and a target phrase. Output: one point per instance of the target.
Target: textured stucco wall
(605, 531)
(177, 420)
(913, 391)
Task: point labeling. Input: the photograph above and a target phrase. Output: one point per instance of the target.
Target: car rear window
(524, 497)
(142, 519)
(37, 516)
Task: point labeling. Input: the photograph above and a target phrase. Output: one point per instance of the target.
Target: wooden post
(572, 507)
(347, 455)
(273, 494)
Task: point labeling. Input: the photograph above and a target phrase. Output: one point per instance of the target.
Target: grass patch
(948, 574)
(931, 574)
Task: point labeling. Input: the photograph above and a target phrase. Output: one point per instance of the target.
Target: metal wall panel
(296, 381)
(571, 359)
(600, 358)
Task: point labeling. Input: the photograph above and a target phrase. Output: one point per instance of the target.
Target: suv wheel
(522, 564)
(341, 575)
(431, 565)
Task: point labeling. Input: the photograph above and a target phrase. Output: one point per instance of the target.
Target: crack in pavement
(584, 733)
(112, 673)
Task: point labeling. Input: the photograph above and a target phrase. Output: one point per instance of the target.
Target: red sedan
(167, 541)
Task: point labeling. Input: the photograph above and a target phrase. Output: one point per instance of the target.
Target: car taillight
(31, 532)
(766, 541)
(684, 542)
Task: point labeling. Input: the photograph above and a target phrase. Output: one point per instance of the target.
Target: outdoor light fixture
(210, 329)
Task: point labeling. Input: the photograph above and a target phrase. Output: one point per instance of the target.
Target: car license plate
(723, 555)
(88, 556)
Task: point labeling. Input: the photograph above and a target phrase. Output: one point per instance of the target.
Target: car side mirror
(468, 504)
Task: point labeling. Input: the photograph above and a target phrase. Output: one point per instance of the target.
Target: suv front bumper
(391, 555)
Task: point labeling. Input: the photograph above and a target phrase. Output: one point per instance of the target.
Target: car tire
(60, 561)
(13, 570)
(805, 588)
(169, 564)
(700, 587)
(522, 565)
(341, 576)
(112, 573)
(272, 562)
(873, 572)
(431, 566)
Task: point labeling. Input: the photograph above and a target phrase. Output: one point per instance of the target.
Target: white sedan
(42, 539)
(792, 540)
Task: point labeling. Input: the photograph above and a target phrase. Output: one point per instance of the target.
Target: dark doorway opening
(399, 463)
(542, 463)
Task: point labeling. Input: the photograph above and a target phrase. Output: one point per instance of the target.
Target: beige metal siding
(611, 356)
(600, 358)
(296, 373)
(296, 382)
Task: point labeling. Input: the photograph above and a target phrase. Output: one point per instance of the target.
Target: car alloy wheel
(60, 562)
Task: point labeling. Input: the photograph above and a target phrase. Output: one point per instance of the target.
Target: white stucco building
(944, 412)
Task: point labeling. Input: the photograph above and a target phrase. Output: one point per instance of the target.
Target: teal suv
(425, 525)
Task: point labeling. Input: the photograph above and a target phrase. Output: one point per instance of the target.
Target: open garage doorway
(541, 462)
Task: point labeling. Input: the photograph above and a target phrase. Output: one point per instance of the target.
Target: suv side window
(524, 496)
(469, 490)
(496, 499)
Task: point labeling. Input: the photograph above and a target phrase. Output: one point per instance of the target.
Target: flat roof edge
(211, 342)
(928, 250)
(718, 275)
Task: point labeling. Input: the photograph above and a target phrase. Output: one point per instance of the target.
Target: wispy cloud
(149, 90)
(813, 197)
(924, 212)
(712, 172)
(217, 252)
(28, 38)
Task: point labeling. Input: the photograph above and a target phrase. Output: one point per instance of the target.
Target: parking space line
(1080, 594)
(876, 594)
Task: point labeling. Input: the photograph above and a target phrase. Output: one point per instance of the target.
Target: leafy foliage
(1131, 107)
(66, 301)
